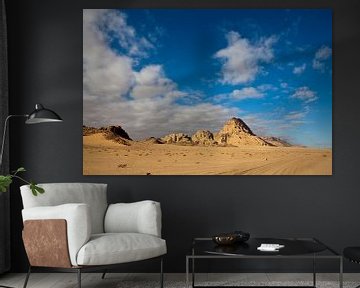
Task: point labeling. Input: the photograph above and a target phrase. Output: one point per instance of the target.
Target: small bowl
(242, 236)
(225, 239)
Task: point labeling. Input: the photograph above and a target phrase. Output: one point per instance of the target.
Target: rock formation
(235, 132)
(203, 137)
(114, 133)
(177, 138)
(275, 141)
(153, 140)
(91, 130)
(118, 131)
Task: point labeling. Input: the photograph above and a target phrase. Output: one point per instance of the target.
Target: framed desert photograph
(207, 92)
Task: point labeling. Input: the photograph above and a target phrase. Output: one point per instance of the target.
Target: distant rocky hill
(178, 138)
(203, 137)
(275, 141)
(92, 130)
(152, 140)
(235, 132)
(114, 133)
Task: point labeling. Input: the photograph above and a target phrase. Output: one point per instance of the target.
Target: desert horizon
(234, 150)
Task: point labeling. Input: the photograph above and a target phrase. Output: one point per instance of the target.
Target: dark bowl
(225, 239)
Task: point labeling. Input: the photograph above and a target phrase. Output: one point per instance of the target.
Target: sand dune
(105, 157)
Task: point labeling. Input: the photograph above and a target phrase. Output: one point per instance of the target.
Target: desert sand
(106, 157)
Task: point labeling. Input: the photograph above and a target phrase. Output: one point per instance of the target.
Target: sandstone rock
(153, 140)
(177, 138)
(203, 137)
(90, 130)
(235, 132)
(118, 131)
(275, 141)
(114, 133)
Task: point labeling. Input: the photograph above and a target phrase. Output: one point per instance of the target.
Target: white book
(270, 247)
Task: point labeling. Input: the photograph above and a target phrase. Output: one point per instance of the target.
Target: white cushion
(113, 248)
(138, 217)
(77, 218)
(62, 193)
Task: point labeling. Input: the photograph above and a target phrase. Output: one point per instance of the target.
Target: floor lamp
(39, 115)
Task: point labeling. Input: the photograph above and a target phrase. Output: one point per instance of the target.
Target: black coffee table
(295, 248)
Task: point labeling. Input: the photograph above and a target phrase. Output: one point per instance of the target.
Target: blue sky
(161, 71)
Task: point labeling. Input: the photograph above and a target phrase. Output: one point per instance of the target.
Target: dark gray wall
(45, 50)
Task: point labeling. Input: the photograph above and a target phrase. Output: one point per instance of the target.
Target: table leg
(193, 272)
(341, 273)
(193, 267)
(187, 272)
(314, 271)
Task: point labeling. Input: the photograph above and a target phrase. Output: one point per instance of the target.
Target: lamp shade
(42, 115)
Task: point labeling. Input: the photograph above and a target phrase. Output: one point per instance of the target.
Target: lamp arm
(4, 134)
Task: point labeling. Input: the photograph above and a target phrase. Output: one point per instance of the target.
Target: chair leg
(27, 277)
(79, 277)
(103, 275)
(3, 286)
(161, 273)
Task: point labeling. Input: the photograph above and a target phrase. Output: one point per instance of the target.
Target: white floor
(116, 280)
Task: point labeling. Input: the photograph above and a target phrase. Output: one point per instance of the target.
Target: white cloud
(105, 74)
(299, 69)
(304, 94)
(279, 122)
(321, 56)
(113, 22)
(318, 65)
(267, 87)
(284, 85)
(323, 53)
(246, 93)
(296, 116)
(147, 117)
(152, 82)
(270, 125)
(241, 60)
(145, 102)
(220, 97)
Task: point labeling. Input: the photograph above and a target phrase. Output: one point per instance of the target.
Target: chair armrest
(78, 223)
(52, 250)
(138, 217)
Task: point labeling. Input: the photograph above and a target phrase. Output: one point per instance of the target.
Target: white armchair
(72, 228)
